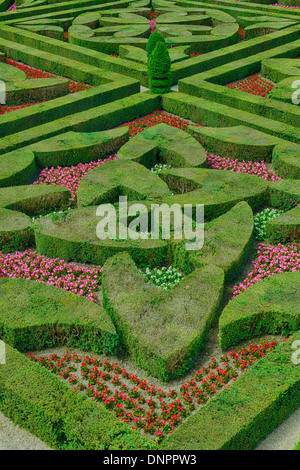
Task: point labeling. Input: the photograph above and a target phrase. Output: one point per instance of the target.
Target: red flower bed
(32, 73)
(255, 85)
(195, 54)
(157, 117)
(153, 411)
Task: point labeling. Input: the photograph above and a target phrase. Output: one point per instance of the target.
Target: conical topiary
(159, 69)
(154, 38)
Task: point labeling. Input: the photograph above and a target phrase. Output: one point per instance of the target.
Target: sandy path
(285, 437)
(12, 437)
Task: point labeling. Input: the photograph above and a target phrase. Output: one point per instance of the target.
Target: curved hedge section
(246, 412)
(35, 399)
(286, 161)
(117, 178)
(38, 316)
(162, 331)
(227, 241)
(285, 228)
(218, 190)
(17, 168)
(16, 231)
(36, 199)
(239, 142)
(272, 306)
(72, 148)
(73, 237)
(164, 144)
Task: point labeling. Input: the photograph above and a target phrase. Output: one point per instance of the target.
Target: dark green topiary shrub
(154, 38)
(159, 69)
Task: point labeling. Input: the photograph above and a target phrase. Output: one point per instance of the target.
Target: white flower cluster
(51, 214)
(164, 277)
(159, 168)
(260, 221)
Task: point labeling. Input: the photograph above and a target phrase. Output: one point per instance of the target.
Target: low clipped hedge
(286, 162)
(38, 316)
(17, 168)
(271, 306)
(164, 144)
(239, 142)
(285, 228)
(162, 331)
(36, 199)
(16, 231)
(246, 412)
(72, 148)
(95, 118)
(73, 237)
(218, 190)
(122, 177)
(220, 114)
(36, 400)
(284, 194)
(30, 91)
(227, 242)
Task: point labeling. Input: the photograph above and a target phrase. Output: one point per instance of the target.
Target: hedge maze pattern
(76, 78)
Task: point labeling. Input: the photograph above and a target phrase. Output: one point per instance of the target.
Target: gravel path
(285, 437)
(12, 437)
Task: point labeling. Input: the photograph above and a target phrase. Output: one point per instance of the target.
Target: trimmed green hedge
(36, 199)
(17, 168)
(284, 194)
(35, 399)
(164, 144)
(73, 237)
(218, 190)
(286, 161)
(95, 119)
(239, 142)
(116, 178)
(283, 90)
(29, 91)
(16, 231)
(285, 228)
(72, 148)
(227, 242)
(266, 27)
(162, 331)
(245, 413)
(271, 306)
(218, 114)
(38, 316)
(278, 69)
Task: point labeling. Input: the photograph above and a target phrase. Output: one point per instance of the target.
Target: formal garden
(140, 343)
